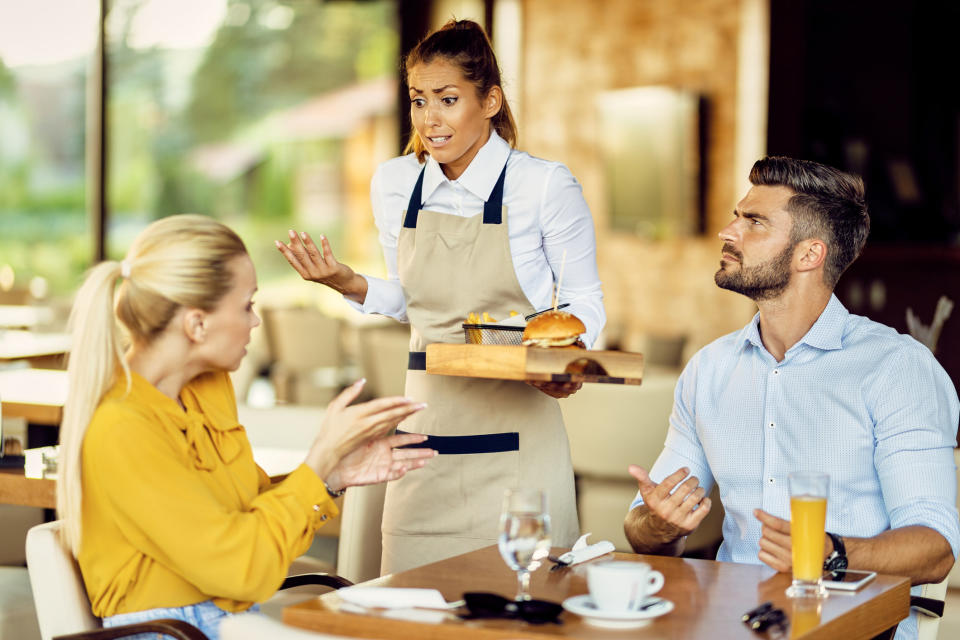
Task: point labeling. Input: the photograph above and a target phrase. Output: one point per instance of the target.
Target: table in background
(39, 349)
(709, 598)
(21, 316)
(37, 395)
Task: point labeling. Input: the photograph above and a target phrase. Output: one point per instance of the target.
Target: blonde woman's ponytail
(96, 353)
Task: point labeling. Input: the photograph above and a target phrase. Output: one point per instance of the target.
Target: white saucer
(583, 606)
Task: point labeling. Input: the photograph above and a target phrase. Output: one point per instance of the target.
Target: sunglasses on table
(491, 605)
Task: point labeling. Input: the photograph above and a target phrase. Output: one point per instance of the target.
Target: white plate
(583, 606)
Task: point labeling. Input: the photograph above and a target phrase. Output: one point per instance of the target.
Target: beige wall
(574, 49)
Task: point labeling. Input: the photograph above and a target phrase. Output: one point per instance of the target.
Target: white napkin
(393, 597)
(581, 551)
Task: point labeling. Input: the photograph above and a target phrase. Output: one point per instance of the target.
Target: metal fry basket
(492, 334)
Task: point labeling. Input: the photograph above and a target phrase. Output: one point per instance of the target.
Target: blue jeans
(205, 616)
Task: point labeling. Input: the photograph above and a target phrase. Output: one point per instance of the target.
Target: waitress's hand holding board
(321, 266)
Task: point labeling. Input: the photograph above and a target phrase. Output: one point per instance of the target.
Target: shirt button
(770, 480)
(776, 372)
(316, 507)
(772, 425)
(323, 518)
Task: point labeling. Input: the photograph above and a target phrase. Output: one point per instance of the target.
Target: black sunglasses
(491, 605)
(764, 617)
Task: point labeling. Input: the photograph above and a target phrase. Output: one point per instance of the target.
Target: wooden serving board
(532, 363)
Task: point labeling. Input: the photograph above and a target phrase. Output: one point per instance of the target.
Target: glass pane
(267, 115)
(45, 50)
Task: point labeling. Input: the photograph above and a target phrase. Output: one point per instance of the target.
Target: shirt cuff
(310, 492)
(933, 515)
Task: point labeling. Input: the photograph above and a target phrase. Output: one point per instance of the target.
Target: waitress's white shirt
(546, 214)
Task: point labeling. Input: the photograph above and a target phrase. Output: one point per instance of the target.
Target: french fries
(473, 335)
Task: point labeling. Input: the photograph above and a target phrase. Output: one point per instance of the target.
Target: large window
(45, 50)
(267, 114)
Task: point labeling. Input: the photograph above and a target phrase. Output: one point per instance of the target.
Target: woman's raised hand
(379, 460)
(345, 426)
(318, 264)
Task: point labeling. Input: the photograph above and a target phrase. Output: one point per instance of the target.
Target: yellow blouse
(175, 510)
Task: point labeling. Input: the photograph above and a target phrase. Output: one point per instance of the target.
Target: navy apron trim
(459, 445)
(492, 208)
(417, 360)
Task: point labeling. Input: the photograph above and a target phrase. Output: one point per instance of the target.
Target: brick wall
(575, 49)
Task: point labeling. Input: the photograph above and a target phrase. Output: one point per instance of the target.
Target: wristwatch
(837, 560)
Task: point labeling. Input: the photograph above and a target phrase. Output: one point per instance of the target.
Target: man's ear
(193, 325)
(811, 254)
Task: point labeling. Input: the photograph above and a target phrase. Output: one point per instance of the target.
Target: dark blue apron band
(480, 443)
(417, 360)
(492, 208)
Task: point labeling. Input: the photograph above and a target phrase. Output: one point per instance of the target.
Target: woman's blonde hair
(464, 44)
(178, 261)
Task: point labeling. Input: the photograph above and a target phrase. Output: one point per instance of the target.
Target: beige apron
(492, 434)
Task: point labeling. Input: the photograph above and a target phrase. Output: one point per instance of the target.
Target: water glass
(524, 539)
(808, 515)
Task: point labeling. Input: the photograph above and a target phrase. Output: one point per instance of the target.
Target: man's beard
(762, 282)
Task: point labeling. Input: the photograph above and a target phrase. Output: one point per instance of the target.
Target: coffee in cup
(622, 586)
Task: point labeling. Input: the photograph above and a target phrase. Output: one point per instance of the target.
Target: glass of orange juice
(808, 515)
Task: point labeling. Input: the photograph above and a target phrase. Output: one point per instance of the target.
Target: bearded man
(807, 386)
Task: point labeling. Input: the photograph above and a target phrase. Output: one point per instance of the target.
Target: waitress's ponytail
(465, 44)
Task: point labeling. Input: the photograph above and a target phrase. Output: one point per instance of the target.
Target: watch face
(835, 562)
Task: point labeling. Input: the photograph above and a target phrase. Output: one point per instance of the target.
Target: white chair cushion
(58, 592)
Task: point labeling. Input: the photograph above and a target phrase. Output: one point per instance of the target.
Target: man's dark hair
(828, 204)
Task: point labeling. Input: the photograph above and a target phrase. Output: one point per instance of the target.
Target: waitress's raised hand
(346, 427)
(320, 265)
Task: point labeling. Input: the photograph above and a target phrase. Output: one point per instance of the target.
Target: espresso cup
(622, 586)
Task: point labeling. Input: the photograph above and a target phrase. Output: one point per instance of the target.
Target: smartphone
(847, 580)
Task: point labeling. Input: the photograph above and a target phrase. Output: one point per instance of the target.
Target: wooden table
(30, 492)
(39, 349)
(709, 597)
(38, 395)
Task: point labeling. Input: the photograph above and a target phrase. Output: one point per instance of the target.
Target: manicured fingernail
(278, 243)
(422, 405)
(303, 234)
(291, 233)
(360, 381)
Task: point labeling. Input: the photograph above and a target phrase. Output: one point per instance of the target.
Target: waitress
(468, 223)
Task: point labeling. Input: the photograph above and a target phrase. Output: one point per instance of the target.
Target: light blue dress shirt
(853, 398)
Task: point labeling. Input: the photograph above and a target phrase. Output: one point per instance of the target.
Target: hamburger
(553, 329)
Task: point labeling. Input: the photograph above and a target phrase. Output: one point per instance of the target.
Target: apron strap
(492, 208)
(459, 445)
(416, 199)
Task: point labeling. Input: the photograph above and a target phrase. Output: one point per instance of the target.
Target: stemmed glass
(524, 539)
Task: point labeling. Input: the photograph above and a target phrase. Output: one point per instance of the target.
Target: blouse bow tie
(208, 443)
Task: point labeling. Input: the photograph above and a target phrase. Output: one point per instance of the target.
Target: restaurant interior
(273, 114)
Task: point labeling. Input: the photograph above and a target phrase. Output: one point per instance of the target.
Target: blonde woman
(163, 505)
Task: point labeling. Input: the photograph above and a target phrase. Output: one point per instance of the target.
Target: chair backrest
(928, 620)
(303, 339)
(359, 548)
(58, 592)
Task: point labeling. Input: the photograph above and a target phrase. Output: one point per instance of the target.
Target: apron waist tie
(417, 360)
(479, 443)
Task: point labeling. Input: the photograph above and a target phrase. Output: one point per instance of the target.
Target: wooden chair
(63, 609)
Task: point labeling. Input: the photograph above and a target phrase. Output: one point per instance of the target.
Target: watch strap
(838, 557)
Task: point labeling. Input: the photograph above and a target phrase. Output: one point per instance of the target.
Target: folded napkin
(581, 551)
(393, 597)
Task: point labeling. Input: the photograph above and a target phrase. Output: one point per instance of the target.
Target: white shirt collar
(481, 175)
